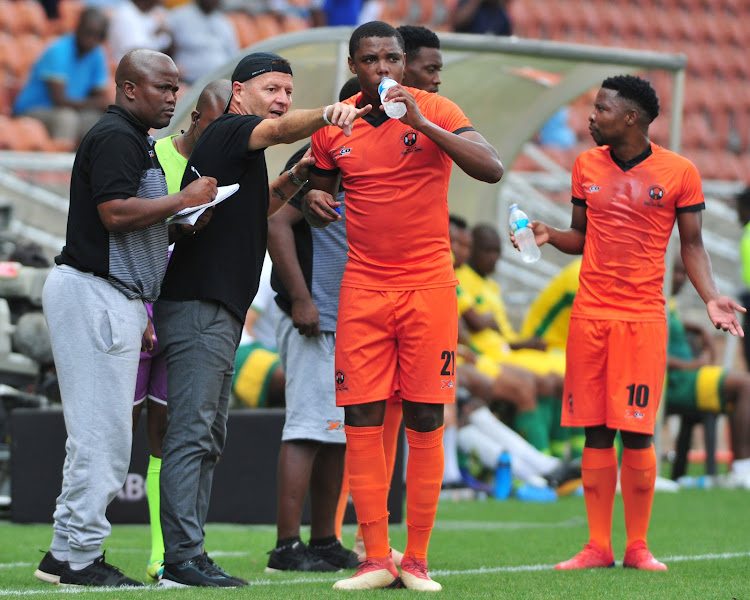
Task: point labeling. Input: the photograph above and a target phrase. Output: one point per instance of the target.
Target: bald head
(211, 104)
(137, 64)
(214, 94)
(146, 86)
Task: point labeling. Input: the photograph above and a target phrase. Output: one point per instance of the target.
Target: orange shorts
(614, 374)
(396, 340)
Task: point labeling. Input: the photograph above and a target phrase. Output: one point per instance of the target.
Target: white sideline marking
(507, 525)
(301, 580)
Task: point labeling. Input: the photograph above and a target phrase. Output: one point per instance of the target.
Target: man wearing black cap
(209, 285)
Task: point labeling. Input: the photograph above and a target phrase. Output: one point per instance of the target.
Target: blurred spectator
(139, 24)
(104, 4)
(482, 16)
(331, 13)
(29, 254)
(372, 10)
(556, 132)
(204, 38)
(66, 87)
(696, 383)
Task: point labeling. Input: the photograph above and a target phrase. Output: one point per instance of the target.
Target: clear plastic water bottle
(519, 226)
(503, 477)
(395, 110)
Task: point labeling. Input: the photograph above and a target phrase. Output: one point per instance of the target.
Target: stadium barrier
(244, 488)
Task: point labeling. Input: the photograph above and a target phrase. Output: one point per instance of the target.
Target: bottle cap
(514, 205)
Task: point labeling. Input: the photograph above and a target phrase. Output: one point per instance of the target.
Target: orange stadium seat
(426, 11)
(243, 25)
(294, 23)
(398, 11)
(31, 17)
(697, 134)
(6, 102)
(28, 48)
(698, 96)
(30, 135)
(266, 26)
(68, 14)
(6, 132)
(9, 18)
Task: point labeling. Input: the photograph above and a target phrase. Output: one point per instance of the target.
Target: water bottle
(519, 226)
(395, 110)
(503, 477)
(701, 482)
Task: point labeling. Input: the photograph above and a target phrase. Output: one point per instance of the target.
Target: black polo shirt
(116, 160)
(223, 260)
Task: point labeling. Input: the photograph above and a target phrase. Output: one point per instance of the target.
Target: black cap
(258, 63)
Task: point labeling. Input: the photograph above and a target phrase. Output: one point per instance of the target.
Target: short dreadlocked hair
(417, 37)
(373, 29)
(636, 90)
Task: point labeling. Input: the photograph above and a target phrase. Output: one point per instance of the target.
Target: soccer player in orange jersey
(397, 321)
(627, 194)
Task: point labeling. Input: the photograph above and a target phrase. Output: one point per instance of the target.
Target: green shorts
(701, 389)
(253, 367)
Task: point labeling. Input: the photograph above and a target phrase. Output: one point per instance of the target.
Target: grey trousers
(200, 340)
(96, 334)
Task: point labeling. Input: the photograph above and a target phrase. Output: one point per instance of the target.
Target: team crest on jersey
(151, 153)
(341, 381)
(656, 195)
(410, 142)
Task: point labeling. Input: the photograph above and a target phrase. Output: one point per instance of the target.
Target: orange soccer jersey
(396, 182)
(630, 219)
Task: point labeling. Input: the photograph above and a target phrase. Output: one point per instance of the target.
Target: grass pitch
(479, 549)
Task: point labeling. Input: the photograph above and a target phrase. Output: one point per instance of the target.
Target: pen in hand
(194, 170)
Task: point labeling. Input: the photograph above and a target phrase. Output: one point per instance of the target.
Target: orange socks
(637, 478)
(599, 474)
(368, 483)
(424, 476)
(391, 431)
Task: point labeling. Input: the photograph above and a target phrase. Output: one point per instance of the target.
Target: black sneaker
(563, 473)
(297, 557)
(335, 554)
(211, 562)
(98, 573)
(50, 568)
(199, 571)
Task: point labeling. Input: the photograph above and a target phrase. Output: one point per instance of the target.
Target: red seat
(31, 17)
(9, 17)
(31, 136)
(266, 26)
(245, 29)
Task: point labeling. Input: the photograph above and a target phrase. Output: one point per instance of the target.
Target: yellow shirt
(548, 316)
(485, 296)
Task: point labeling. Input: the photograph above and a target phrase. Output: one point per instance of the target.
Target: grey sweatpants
(96, 334)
